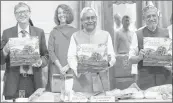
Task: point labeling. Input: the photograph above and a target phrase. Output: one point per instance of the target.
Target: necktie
(23, 33)
(25, 67)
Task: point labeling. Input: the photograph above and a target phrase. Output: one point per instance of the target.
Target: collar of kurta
(153, 32)
(89, 33)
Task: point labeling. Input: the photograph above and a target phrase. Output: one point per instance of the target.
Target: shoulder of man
(9, 31)
(77, 33)
(104, 32)
(163, 31)
(140, 30)
(37, 29)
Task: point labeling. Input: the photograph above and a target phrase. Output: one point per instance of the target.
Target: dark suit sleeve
(43, 50)
(3, 43)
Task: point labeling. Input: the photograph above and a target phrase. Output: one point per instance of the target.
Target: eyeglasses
(92, 18)
(22, 12)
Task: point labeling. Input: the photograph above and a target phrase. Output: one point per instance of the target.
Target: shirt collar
(155, 31)
(20, 29)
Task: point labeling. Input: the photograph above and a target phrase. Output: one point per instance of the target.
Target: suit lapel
(32, 31)
(15, 32)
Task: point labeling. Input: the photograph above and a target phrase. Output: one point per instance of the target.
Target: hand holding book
(6, 49)
(141, 54)
(38, 63)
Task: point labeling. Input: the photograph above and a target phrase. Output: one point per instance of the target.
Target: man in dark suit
(149, 76)
(25, 78)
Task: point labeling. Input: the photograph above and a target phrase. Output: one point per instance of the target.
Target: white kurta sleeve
(110, 51)
(71, 56)
(134, 52)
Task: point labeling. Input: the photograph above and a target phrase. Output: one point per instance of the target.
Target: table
(49, 97)
(145, 100)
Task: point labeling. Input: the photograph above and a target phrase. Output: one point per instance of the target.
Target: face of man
(22, 14)
(126, 22)
(151, 19)
(89, 20)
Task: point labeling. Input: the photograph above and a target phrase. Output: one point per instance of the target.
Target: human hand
(6, 49)
(169, 68)
(141, 54)
(64, 69)
(38, 63)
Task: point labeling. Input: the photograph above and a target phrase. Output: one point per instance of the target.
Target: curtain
(97, 5)
(165, 8)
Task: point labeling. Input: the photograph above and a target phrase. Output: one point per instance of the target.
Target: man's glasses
(92, 18)
(22, 12)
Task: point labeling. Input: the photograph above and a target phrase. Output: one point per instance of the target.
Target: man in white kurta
(89, 36)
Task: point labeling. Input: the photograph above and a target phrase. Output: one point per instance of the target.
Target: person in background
(170, 28)
(123, 37)
(117, 22)
(25, 77)
(88, 35)
(148, 76)
(58, 43)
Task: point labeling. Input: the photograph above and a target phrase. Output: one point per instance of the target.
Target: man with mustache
(148, 76)
(89, 36)
(25, 78)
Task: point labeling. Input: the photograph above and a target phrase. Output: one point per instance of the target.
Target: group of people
(130, 42)
(62, 57)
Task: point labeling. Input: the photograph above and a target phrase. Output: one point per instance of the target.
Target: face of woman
(61, 16)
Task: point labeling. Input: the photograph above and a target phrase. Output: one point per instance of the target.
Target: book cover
(92, 56)
(158, 51)
(24, 51)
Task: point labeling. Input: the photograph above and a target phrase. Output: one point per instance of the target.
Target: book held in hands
(24, 51)
(158, 51)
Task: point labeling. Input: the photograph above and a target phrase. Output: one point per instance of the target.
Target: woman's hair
(68, 11)
(30, 22)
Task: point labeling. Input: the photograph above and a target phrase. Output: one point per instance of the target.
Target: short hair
(117, 17)
(85, 10)
(21, 4)
(68, 11)
(150, 7)
(125, 16)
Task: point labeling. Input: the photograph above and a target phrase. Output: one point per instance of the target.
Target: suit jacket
(12, 73)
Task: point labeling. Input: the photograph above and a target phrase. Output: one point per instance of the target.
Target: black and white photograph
(86, 51)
